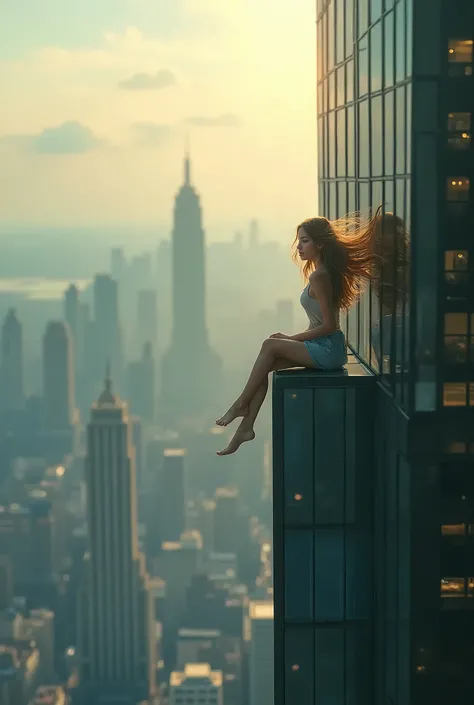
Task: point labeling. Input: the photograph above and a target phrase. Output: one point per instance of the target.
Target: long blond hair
(347, 252)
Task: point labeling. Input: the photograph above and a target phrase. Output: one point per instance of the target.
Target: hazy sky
(97, 98)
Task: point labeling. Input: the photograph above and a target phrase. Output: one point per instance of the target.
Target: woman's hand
(281, 335)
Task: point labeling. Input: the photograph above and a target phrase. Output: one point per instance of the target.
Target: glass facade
(394, 127)
(395, 98)
(365, 162)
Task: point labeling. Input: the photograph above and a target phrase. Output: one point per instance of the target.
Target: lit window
(456, 273)
(453, 529)
(453, 587)
(455, 324)
(459, 130)
(454, 394)
(458, 188)
(460, 57)
(456, 340)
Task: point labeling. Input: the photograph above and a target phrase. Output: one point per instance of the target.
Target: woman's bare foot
(240, 436)
(233, 413)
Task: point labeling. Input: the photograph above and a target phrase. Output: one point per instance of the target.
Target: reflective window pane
(331, 35)
(401, 127)
(376, 9)
(350, 81)
(340, 92)
(349, 29)
(400, 38)
(376, 57)
(376, 136)
(363, 59)
(341, 142)
(389, 133)
(389, 56)
(351, 141)
(332, 144)
(340, 44)
(364, 143)
(363, 18)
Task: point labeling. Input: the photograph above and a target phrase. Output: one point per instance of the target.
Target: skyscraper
(12, 394)
(197, 684)
(58, 378)
(259, 634)
(116, 626)
(147, 319)
(106, 331)
(395, 105)
(172, 494)
(72, 318)
(141, 384)
(191, 369)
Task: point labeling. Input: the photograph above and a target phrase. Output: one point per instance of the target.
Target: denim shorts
(329, 352)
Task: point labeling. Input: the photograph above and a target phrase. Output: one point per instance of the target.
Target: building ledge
(352, 374)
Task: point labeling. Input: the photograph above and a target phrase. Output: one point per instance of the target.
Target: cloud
(68, 138)
(225, 120)
(149, 82)
(152, 134)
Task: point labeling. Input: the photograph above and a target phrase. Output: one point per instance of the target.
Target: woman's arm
(320, 289)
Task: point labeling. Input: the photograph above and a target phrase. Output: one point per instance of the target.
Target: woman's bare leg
(273, 348)
(245, 431)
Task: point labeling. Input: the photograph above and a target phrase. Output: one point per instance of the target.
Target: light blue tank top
(313, 309)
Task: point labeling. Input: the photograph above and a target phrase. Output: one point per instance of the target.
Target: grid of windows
(377, 147)
(457, 314)
(365, 161)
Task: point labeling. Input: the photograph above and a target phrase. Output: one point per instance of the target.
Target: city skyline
(117, 92)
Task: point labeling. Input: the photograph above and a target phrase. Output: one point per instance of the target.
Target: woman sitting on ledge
(336, 258)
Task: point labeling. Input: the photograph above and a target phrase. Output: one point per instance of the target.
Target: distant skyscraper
(58, 377)
(141, 384)
(118, 263)
(108, 347)
(197, 684)
(227, 521)
(147, 318)
(72, 318)
(191, 369)
(259, 631)
(12, 393)
(173, 495)
(116, 624)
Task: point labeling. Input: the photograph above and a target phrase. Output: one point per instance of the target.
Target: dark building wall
(323, 537)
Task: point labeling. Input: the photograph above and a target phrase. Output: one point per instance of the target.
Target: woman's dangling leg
(245, 431)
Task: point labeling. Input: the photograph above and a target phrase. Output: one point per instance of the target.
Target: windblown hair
(347, 251)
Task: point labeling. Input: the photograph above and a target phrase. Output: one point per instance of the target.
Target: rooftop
(261, 609)
(197, 671)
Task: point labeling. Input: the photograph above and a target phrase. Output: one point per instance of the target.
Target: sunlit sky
(99, 97)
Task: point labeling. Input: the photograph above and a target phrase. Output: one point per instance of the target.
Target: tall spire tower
(116, 625)
(191, 369)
